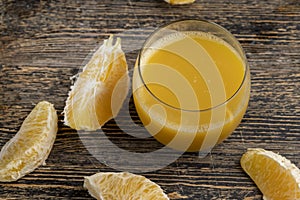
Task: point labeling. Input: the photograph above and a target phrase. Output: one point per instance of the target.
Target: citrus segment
(276, 177)
(91, 101)
(116, 186)
(175, 2)
(30, 147)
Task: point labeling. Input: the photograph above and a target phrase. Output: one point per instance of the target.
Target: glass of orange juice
(191, 85)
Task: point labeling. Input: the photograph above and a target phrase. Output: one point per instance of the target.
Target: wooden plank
(43, 44)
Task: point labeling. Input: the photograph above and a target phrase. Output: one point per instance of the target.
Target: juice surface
(193, 64)
(184, 73)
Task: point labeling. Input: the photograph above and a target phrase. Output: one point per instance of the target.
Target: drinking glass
(189, 124)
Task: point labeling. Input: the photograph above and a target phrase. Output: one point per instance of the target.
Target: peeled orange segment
(117, 186)
(175, 2)
(99, 90)
(30, 147)
(276, 177)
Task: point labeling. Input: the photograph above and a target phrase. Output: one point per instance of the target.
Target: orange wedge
(177, 2)
(99, 90)
(276, 177)
(117, 186)
(30, 147)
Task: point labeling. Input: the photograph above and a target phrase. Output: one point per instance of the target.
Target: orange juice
(191, 90)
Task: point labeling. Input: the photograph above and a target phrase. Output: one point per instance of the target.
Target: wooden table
(44, 43)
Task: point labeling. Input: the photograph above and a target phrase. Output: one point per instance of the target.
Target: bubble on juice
(176, 36)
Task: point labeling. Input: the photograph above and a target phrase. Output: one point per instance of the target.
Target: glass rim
(243, 57)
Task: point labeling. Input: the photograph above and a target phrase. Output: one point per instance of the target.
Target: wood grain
(44, 43)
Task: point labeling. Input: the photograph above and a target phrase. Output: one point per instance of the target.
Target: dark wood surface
(44, 43)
